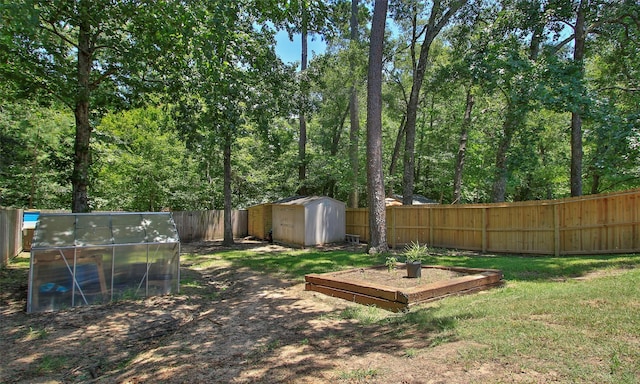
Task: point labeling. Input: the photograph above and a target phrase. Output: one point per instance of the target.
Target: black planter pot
(414, 269)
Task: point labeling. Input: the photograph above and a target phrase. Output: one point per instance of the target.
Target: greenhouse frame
(90, 258)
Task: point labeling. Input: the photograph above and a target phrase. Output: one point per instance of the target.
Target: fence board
(208, 225)
(605, 223)
(357, 222)
(260, 220)
(191, 225)
(10, 234)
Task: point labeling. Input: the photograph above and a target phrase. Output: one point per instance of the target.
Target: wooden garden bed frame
(400, 299)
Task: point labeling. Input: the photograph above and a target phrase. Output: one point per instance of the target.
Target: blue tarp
(29, 219)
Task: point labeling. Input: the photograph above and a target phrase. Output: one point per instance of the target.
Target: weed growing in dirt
(190, 283)
(358, 374)
(36, 334)
(364, 314)
(50, 363)
(122, 364)
(410, 353)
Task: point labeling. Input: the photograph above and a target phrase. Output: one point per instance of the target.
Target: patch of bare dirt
(230, 325)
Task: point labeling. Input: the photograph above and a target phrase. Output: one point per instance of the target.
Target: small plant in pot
(413, 254)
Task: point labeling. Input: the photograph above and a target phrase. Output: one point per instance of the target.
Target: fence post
(556, 230)
(10, 234)
(4, 237)
(484, 229)
(393, 227)
(431, 231)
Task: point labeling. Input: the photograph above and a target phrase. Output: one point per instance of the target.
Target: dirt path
(233, 326)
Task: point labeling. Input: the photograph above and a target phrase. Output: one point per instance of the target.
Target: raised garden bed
(391, 290)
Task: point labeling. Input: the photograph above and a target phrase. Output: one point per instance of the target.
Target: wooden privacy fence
(10, 233)
(208, 225)
(191, 226)
(605, 223)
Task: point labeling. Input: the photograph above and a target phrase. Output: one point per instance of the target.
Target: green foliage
(415, 252)
(391, 262)
(36, 159)
(221, 83)
(359, 374)
(142, 165)
(266, 164)
(49, 363)
(37, 334)
(366, 315)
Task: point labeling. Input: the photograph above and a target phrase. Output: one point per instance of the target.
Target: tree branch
(54, 31)
(561, 44)
(619, 89)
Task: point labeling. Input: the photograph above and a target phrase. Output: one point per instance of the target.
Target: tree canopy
(186, 105)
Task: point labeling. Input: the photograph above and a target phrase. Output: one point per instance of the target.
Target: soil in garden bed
(397, 278)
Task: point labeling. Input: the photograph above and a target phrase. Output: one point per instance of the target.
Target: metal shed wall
(288, 224)
(309, 221)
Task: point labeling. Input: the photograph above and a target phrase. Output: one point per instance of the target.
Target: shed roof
(305, 200)
(61, 230)
(417, 199)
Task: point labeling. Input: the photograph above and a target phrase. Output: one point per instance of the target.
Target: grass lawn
(573, 318)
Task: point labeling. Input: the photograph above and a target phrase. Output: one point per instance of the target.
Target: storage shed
(85, 258)
(308, 220)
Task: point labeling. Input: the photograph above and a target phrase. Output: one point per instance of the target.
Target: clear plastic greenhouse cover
(89, 258)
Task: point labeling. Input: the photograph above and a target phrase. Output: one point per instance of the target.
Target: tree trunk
(462, 148)
(595, 185)
(337, 132)
(394, 157)
(82, 157)
(500, 179)
(34, 170)
(437, 20)
(329, 188)
(518, 105)
(409, 143)
(375, 178)
(228, 228)
(421, 144)
(576, 118)
(302, 142)
(354, 110)
(576, 154)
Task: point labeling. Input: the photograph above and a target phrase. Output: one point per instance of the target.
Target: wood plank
(462, 292)
(444, 288)
(362, 288)
(466, 270)
(357, 297)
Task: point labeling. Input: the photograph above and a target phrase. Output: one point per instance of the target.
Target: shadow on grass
(295, 263)
(538, 268)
